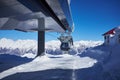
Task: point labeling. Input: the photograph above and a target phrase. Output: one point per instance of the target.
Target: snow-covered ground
(48, 62)
(92, 61)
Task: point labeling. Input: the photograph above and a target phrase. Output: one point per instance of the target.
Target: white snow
(29, 55)
(54, 44)
(46, 62)
(26, 47)
(92, 60)
(20, 44)
(61, 61)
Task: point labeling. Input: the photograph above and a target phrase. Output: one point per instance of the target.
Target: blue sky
(91, 18)
(94, 17)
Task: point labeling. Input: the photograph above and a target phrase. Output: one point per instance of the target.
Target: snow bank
(108, 58)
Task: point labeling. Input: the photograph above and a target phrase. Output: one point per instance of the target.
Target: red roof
(110, 32)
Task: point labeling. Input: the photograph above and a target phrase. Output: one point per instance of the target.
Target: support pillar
(41, 37)
(41, 43)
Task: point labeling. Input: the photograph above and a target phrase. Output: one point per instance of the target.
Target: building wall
(117, 37)
(106, 39)
(112, 40)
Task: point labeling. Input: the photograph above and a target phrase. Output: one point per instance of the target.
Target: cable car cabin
(66, 42)
(65, 46)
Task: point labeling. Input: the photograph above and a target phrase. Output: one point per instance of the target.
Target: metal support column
(41, 37)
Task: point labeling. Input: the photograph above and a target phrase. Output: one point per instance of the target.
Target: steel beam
(41, 37)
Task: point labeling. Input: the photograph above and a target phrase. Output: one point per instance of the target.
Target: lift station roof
(23, 15)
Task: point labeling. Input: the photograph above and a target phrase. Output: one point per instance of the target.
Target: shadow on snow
(9, 61)
(92, 73)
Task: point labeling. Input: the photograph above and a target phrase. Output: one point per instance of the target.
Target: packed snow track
(49, 67)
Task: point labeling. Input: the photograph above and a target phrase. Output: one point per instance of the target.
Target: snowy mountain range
(29, 47)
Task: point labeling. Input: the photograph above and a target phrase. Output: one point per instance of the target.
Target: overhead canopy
(24, 15)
